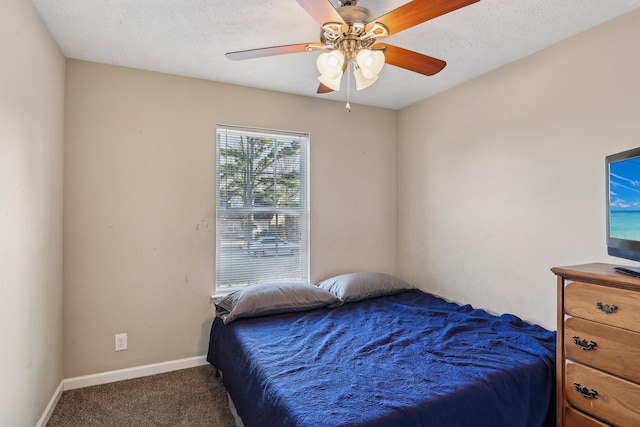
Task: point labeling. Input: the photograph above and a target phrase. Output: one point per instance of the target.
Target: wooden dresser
(598, 347)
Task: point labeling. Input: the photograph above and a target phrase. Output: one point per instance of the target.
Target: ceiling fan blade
(322, 11)
(269, 51)
(323, 89)
(410, 60)
(417, 12)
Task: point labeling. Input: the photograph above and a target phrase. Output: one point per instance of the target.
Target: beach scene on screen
(624, 199)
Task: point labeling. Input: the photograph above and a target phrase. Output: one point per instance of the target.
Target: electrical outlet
(121, 342)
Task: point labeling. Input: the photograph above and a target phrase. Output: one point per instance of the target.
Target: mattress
(408, 359)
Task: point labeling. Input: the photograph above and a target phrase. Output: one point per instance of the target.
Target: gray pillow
(354, 287)
(272, 298)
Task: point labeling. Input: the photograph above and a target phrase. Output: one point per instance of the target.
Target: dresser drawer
(612, 306)
(610, 349)
(573, 418)
(609, 398)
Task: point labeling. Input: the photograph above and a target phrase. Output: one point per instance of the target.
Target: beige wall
(139, 204)
(502, 178)
(31, 159)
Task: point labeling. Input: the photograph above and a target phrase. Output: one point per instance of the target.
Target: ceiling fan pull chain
(348, 106)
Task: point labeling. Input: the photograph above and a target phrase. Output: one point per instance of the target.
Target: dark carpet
(189, 397)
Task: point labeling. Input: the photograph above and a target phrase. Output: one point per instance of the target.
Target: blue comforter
(409, 359)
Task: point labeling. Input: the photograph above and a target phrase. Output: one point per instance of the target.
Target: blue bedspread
(409, 359)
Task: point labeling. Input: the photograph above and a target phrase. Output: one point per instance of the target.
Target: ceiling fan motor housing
(351, 37)
(355, 14)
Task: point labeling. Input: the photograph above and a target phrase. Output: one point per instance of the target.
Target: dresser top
(598, 272)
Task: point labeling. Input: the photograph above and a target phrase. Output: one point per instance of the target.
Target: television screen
(623, 207)
(624, 199)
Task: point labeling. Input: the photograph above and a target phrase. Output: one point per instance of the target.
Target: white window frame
(245, 251)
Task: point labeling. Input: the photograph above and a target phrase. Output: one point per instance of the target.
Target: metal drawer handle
(606, 308)
(584, 344)
(585, 392)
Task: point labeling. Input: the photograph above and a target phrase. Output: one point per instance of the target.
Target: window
(262, 207)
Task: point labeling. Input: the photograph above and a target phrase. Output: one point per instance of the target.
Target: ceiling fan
(351, 35)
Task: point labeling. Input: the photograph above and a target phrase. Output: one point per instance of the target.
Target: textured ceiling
(190, 37)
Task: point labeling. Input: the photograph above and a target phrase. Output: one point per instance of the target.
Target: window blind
(262, 206)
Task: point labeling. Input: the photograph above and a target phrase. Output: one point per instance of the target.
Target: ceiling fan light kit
(330, 63)
(367, 65)
(370, 62)
(350, 35)
(363, 82)
(333, 84)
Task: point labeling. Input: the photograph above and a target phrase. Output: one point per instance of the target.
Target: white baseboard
(118, 375)
(44, 419)
(135, 372)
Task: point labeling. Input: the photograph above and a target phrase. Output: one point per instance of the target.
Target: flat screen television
(623, 207)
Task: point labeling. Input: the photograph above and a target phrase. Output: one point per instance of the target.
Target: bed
(400, 357)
